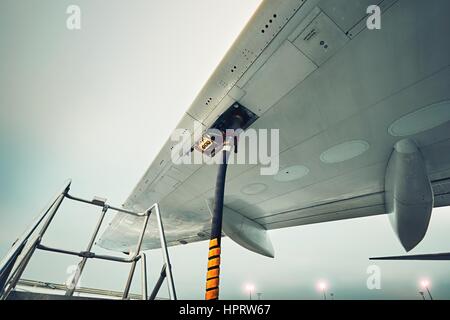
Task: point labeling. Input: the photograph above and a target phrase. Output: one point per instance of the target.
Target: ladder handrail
(5, 262)
(16, 273)
(16, 249)
(17, 259)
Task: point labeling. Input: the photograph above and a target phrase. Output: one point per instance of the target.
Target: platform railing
(15, 262)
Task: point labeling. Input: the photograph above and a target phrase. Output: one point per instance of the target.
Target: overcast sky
(97, 104)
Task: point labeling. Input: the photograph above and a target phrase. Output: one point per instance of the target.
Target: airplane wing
(341, 96)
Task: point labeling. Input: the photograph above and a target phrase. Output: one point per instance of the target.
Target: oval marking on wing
(344, 151)
(421, 120)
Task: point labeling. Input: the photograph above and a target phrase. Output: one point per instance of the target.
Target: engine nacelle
(408, 193)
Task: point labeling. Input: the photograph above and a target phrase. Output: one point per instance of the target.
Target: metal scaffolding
(14, 264)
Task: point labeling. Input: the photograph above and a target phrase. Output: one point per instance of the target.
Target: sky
(97, 104)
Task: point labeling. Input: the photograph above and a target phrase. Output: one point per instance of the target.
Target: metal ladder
(18, 257)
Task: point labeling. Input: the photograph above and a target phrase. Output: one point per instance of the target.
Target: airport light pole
(425, 285)
(250, 288)
(423, 296)
(259, 295)
(323, 288)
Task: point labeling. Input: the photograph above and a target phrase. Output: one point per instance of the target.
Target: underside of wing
(342, 97)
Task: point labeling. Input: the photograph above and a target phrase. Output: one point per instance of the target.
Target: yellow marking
(205, 143)
(212, 294)
(213, 273)
(213, 283)
(214, 252)
(213, 262)
(213, 243)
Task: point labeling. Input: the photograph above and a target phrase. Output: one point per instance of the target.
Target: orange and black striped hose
(213, 275)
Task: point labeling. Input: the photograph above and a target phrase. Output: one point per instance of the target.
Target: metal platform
(40, 290)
